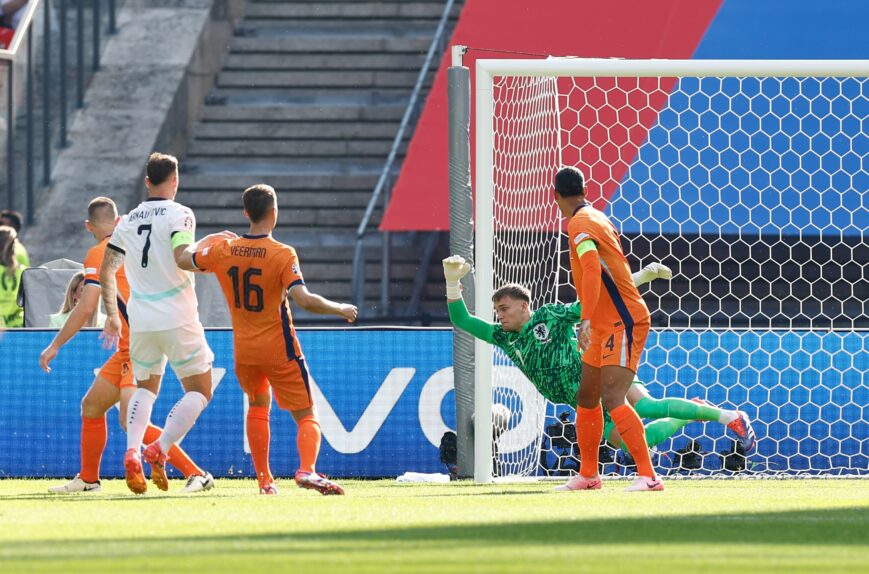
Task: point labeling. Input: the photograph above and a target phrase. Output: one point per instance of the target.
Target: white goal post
(777, 128)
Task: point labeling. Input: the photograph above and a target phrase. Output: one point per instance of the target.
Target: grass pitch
(379, 526)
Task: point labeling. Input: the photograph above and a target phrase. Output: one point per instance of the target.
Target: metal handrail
(24, 32)
(21, 31)
(436, 46)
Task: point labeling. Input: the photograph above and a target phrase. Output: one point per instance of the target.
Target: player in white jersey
(163, 318)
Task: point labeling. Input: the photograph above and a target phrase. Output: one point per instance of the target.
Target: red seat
(6, 37)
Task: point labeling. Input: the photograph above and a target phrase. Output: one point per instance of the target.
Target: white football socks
(139, 417)
(727, 417)
(181, 418)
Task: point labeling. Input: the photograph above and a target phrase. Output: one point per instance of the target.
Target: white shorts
(185, 347)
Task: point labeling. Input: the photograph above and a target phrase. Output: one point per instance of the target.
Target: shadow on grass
(90, 497)
(829, 527)
(153, 493)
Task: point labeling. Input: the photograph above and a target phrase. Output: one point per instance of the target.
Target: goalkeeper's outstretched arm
(651, 272)
(455, 267)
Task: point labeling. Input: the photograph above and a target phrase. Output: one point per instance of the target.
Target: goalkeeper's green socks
(649, 408)
(660, 430)
(673, 415)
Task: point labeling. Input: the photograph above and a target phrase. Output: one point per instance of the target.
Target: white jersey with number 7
(162, 296)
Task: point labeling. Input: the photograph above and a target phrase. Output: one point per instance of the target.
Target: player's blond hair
(68, 305)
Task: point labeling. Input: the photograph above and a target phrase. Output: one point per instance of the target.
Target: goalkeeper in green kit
(542, 343)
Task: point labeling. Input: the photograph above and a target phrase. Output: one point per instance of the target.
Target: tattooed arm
(112, 261)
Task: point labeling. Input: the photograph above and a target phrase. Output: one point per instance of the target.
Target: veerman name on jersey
(245, 251)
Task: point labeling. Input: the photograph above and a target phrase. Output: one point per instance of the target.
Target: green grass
(694, 526)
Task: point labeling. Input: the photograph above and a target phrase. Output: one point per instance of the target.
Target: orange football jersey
(619, 300)
(255, 273)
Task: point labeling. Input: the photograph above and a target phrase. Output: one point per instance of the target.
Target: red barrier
(585, 28)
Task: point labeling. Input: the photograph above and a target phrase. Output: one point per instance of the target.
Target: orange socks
(177, 457)
(589, 431)
(93, 443)
(308, 442)
(633, 434)
(259, 437)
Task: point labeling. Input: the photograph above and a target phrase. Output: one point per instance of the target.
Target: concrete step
(317, 79)
(430, 314)
(400, 290)
(270, 167)
(351, 27)
(252, 2)
(298, 216)
(325, 62)
(313, 183)
(346, 149)
(322, 254)
(335, 44)
(335, 28)
(322, 95)
(296, 130)
(311, 199)
(298, 112)
(347, 10)
(308, 97)
(335, 272)
(343, 290)
(298, 237)
(309, 100)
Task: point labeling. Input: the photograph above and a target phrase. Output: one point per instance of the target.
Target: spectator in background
(11, 315)
(74, 290)
(11, 12)
(14, 220)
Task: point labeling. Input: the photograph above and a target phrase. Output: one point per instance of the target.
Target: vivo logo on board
(511, 389)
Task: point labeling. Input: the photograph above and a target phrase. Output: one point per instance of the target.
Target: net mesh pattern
(754, 191)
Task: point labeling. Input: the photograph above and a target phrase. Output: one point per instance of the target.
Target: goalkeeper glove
(455, 267)
(650, 272)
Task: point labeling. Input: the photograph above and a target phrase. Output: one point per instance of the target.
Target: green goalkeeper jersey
(544, 350)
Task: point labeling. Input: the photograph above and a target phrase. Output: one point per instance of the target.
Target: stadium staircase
(309, 99)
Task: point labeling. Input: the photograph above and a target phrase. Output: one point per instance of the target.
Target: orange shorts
(118, 370)
(289, 381)
(618, 345)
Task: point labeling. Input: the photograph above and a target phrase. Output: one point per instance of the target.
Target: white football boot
(76, 485)
(199, 483)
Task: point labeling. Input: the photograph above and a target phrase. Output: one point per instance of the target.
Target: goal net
(749, 180)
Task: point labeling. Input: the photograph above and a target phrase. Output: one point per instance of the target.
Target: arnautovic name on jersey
(145, 214)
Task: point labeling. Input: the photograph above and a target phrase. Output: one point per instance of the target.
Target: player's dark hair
(12, 218)
(98, 206)
(257, 200)
(514, 291)
(569, 182)
(160, 167)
